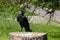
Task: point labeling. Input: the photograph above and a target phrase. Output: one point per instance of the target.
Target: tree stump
(28, 36)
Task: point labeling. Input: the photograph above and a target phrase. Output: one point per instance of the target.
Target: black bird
(23, 21)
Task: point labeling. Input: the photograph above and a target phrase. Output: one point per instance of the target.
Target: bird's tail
(28, 29)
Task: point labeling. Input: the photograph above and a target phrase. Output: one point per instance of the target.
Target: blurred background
(35, 11)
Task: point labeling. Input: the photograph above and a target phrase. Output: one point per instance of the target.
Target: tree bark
(28, 36)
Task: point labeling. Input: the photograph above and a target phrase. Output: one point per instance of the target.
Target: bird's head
(21, 13)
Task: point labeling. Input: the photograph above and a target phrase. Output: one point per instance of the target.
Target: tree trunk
(28, 36)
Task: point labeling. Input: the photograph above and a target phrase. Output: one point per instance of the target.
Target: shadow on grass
(56, 36)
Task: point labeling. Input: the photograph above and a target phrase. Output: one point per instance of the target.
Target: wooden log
(28, 36)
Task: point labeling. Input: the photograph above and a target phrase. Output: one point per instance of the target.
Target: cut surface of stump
(28, 36)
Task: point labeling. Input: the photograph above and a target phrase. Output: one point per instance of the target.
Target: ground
(7, 26)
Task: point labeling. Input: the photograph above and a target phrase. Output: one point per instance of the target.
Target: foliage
(41, 2)
(30, 14)
(8, 9)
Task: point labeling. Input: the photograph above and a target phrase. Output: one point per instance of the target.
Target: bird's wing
(25, 19)
(19, 18)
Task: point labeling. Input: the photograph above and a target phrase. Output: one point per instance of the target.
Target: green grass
(51, 30)
(7, 26)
